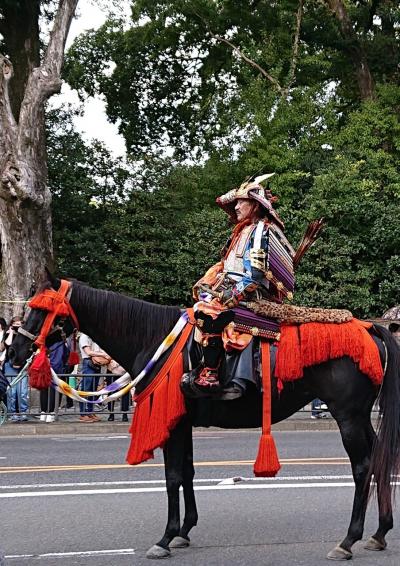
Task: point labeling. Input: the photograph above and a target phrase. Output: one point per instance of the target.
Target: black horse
(130, 330)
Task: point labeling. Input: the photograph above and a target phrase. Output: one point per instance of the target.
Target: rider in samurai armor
(256, 264)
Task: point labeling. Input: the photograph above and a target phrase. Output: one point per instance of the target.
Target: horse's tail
(385, 459)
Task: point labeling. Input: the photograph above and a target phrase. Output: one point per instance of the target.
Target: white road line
(88, 438)
(162, 482)
(116, 552)
(62, 493)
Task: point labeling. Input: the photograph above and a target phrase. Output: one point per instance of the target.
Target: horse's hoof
(179, 542)
(374, 544)
(339, 553)
(158, 552)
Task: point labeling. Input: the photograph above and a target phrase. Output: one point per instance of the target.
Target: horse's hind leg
(173, 464)
(377, 541)
(358, 445)
(191, 516)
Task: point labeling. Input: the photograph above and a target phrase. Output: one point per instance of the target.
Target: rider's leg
(213, 348)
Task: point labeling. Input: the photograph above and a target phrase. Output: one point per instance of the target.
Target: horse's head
(47, 319)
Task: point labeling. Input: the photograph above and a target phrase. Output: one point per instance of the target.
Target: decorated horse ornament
(130, 330)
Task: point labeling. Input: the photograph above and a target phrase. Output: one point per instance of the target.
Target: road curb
(104, 428)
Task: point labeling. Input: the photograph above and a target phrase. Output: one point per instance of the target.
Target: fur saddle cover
(292, 314)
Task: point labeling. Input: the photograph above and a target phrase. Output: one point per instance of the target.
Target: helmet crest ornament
(251, 189)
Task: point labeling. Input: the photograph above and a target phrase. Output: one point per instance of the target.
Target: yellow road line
(81, 467)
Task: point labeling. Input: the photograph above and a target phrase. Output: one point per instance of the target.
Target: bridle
(57, 304)
(34, 337)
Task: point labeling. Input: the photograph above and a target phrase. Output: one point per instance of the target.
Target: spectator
(114, 372)
(58, 355)
(71, 380)
(17, 396)
(93, 358)
(317, 409)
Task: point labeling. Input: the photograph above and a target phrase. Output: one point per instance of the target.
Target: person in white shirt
(93, 358)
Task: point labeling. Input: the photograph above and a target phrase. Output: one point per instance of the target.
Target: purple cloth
(246, 317)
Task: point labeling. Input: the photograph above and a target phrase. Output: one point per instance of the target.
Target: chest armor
(234, 260)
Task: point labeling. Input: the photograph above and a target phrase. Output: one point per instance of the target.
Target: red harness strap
(57, 304)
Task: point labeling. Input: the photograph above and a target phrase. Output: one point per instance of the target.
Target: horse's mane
(124, 316)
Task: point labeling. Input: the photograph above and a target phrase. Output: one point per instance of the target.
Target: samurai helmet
(253, 190)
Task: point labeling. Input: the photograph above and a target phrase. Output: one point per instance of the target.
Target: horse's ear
(54, 281)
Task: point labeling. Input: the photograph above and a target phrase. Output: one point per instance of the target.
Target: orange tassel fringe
(313, 343)
(159, 407)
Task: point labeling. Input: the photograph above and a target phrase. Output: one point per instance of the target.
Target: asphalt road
(71, 500)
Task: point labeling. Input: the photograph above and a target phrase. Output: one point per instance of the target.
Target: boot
(208, 377)
(204, 381)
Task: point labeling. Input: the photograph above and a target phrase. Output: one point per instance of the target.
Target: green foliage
(169, 82)
(174, 83)
(86, 182)
(161, 248)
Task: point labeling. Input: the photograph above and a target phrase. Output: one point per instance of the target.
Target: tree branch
(54, 56)
(354, 49)
(293, 65)
(23, 153)
(252, 63)
(45, 80)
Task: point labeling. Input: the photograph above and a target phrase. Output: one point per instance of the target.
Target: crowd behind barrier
(94, 370)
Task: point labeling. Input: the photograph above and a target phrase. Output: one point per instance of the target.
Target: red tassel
(44, 301)
(40, 371)
(267, 464)
(138, 450)
(73, 358)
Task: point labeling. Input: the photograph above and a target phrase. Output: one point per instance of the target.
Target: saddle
(303, 337)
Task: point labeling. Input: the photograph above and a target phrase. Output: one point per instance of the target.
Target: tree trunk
(25, 200)
(354, 49)
(26, 247)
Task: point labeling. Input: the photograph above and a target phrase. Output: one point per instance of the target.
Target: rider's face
(244, 209)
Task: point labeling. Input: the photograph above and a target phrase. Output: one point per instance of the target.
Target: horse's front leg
(191, 516)
(357, 442)
(173, 465)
